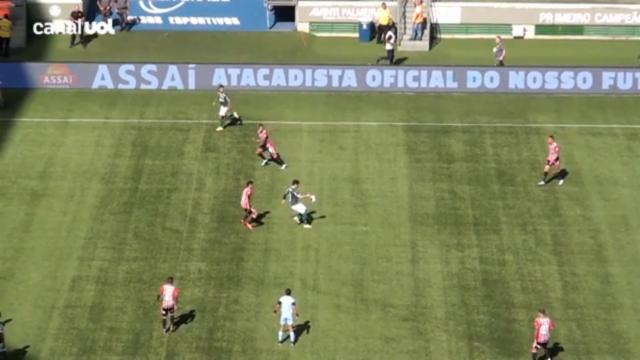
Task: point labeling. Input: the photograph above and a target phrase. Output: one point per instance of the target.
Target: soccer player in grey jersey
(227, 118)
(293, 198)
(499, 51)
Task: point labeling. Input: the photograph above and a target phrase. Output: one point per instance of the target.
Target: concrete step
(408, 45)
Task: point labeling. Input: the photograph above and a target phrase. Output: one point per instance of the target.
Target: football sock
(292, 335)
(279, 336)
(164, 323)
(534, 355)
(171, 321)
(544, 176)
(261, 156)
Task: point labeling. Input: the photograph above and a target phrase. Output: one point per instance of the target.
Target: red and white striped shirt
(168, 295)
(245, 201)
(543, 326)
(554, 151)
(263, 136)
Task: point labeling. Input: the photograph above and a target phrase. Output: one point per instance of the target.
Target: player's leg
(246, 220)
(292, 334)
(301, 211)
(222, 114)
(545, 348)
(559, 173)
(265, 159)
(172, 316)
(545, 173)
(280, 332)
(163, 314)
(275, 156)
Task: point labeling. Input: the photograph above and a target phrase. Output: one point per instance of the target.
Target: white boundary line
(325, 123)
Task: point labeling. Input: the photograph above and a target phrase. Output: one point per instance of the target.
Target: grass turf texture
(436, 242)
(297, 48)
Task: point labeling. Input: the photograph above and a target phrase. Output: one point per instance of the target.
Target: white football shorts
(299, 208)
(223, 110)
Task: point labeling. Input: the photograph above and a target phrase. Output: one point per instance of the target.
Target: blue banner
(200, 15)
(452, 79)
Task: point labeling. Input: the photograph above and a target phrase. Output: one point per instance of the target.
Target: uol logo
(151, 6)
(58, 76)
(68, 27)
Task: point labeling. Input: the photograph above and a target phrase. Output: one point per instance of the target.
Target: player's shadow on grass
(313, 217)
(553, 351)
(17, 354)
(184, 319)
(299, 330)
(560, 175)
(259, 220)
(400, 60)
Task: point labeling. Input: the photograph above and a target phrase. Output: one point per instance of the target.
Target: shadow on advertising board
(200, 15)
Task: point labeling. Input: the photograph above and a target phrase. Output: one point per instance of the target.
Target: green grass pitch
(436, 244)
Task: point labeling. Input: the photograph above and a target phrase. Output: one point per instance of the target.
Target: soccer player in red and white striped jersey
(543, 326)
(168, 298)
(266, 145)
(250, 213)
(552, 160)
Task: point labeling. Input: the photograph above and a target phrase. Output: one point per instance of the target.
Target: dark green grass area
(435, 242)
(298, 48)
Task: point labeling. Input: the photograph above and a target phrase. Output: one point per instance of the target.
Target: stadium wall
(485, 19)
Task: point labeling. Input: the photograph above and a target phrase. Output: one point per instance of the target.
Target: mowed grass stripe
(46, 204)
(327, 108)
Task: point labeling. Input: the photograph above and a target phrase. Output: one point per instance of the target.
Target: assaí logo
(58, 76)
(68, 27)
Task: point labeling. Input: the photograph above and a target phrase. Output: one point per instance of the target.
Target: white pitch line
(325, 123)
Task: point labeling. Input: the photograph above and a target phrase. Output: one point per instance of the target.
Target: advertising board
(140, 76)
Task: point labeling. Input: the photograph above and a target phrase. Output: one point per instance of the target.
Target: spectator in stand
(6, 28)
(384, 22)
(104, 7)
(77, 16)
(418, 21)
(389, 45)
(122, 9)
(499, 51)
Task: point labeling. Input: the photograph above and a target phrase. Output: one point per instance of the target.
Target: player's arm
(176, 296)
(305, 195)
(276, 308)
(284, 197)
(159, 294)
(295, 310)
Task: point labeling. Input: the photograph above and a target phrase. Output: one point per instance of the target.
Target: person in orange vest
(418, 21)
(6, 28)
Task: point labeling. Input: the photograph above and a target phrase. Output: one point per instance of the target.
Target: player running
(293, 197)
(266, 145)
(543, 326)
(287, 307)
(250, 213)
(226, 118)
(168, 298)
(553, 160)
